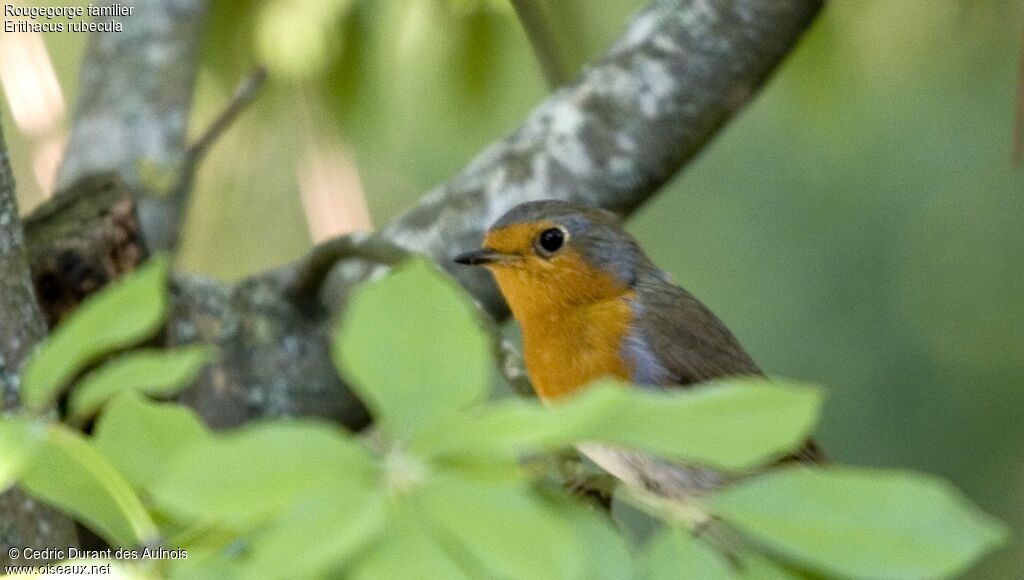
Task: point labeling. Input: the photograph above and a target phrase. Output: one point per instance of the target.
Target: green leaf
(70, 474)
(509, 530)
(733, 424)
(154, 372)
(601, 549)
(204, 564)
(125, 312)
(141, 438)
(409, 549)
(19, 440)
(633, 517)
(414, 348)
(674, 554)
(320, 533)
(861, 522)
(259, 471)
(295, 38)
(757, 566)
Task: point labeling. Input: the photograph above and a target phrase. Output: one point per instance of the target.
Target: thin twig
(538, 29)
(302, 281)
(196, 152)
(243, 97)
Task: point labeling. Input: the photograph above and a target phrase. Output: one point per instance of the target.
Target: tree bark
(134, 100)
(24, 522)
(21, 325)
(611, 138)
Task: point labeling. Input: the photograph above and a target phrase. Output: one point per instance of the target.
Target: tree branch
(23, 521)
(21, 324)
(131, 117)
(679, 72)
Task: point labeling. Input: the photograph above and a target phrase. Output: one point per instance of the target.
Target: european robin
(590, 304)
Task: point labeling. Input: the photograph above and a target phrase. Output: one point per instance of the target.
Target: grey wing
(678, 341)
(681, 342)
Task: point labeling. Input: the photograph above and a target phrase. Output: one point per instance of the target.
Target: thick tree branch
(23, 521)
(131, 118)
(681, 69)
(21, 322)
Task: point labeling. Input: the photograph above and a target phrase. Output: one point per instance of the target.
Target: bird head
(547, 255)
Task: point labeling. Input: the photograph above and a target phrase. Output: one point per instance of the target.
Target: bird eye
(550, 241)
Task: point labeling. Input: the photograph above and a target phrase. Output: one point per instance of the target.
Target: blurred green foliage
(437, 490)
(96, 329)
(857, 226)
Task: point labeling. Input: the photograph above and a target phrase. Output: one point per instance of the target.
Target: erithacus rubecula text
(590, 304)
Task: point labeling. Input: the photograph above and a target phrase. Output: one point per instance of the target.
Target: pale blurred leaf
(414, 347)
(730, 424)
(602, 549)
(19, 440)
(141, 438)
(861, 522)
(673, 554)
(127, 311)
(321, 532)
(296, 39)
(70, 474)
(257, 471)
(408, 549)
(157, 373)
(512, 532)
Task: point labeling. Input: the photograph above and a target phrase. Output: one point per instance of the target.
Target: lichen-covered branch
(21, 322)
(681, 69)
(23, 521)
(275, 355)
(132, 113)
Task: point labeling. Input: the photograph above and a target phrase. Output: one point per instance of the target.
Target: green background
(859, 225)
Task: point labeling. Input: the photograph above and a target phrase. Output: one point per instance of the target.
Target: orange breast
(567, 348)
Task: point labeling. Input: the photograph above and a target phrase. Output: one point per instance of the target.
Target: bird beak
(479, 257)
